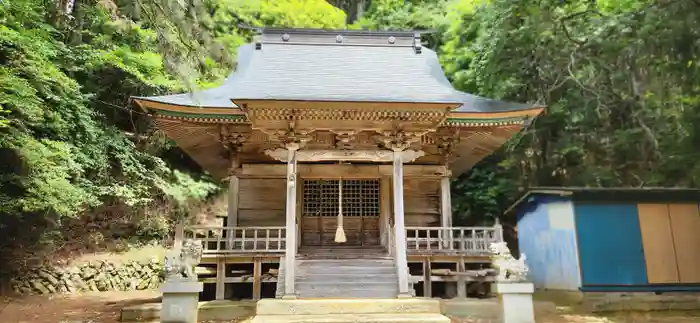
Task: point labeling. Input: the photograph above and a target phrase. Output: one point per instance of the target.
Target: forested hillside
(79, 163)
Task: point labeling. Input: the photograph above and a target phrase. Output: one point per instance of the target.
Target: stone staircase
(349, 311)
(343, 273)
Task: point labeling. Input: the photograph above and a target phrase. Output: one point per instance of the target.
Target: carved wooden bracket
(345, 155)
(232, 142)
(343, 138)
(399, 140)
(290, 136)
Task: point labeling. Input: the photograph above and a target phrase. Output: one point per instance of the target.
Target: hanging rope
(339, 232)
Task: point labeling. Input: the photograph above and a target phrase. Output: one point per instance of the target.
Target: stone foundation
(609, 301)
(98, 276)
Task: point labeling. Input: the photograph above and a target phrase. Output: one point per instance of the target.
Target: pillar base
(404, 295)
(289, 296)
(516, 302)
(180, 301)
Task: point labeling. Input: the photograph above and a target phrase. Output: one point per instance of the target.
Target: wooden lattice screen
(361, 208)
(360, 197)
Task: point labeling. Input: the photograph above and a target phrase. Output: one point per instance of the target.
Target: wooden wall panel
(657, 239)
(262, 202)
(422, 201)
(685, 223)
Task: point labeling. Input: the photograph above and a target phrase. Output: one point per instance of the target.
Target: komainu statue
(509, 268)
(179, 264)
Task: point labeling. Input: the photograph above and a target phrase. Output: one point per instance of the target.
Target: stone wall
(97, 276)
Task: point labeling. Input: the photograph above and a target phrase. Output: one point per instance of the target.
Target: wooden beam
(335, 171)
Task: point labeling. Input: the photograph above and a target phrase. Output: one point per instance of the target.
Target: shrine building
(339, 147)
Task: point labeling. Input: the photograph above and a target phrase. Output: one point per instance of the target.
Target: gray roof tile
(313, 66)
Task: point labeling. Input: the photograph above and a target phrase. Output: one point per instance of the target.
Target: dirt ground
(105, 307)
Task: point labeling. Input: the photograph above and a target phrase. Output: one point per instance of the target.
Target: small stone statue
(180, 264)
(509, 268)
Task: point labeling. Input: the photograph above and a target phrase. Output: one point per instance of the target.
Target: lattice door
(360, 211)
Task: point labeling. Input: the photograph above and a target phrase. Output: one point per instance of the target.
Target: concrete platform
(353, 318)
(419, 309)
(486, 310)
(414, 310)
(212, 310)
(347, 306)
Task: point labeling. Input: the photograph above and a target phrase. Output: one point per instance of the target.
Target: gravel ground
(105, 307)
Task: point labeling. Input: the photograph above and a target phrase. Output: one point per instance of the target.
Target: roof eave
(671, 194)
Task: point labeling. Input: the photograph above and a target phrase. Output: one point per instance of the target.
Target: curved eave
(455, 118)
(488, 119)
(192, 113)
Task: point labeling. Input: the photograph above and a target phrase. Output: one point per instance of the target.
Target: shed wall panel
(657, 239)
(685, 223)
(546, 236)
(610, 244)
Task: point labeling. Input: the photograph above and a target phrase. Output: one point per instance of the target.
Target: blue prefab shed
(592, 239)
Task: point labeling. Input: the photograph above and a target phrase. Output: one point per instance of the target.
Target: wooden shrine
(339, 147)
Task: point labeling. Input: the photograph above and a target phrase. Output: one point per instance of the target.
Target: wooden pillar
(461, 282)
(257, 281)
(385, 210)
(232, 212)
(220, 278)
(399, 229)
(291, 216)
(427, 275)
(445, 203)
(446, 211)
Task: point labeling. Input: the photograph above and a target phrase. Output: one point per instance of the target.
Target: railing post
(498, 234)
(179, 235)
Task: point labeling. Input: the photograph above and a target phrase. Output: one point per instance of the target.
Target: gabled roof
(337, 65)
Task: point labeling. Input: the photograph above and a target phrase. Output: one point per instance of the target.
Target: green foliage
(619, 79)
(76, 162)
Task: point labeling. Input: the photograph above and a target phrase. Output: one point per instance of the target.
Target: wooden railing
(219, 240)
(419, 240)
(452, 240)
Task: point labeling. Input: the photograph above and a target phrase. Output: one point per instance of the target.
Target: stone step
(347, 294)
(361, 277)
(314, 271)
(347, 283)
(344, 264)
(353, 318)
(347, 306)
